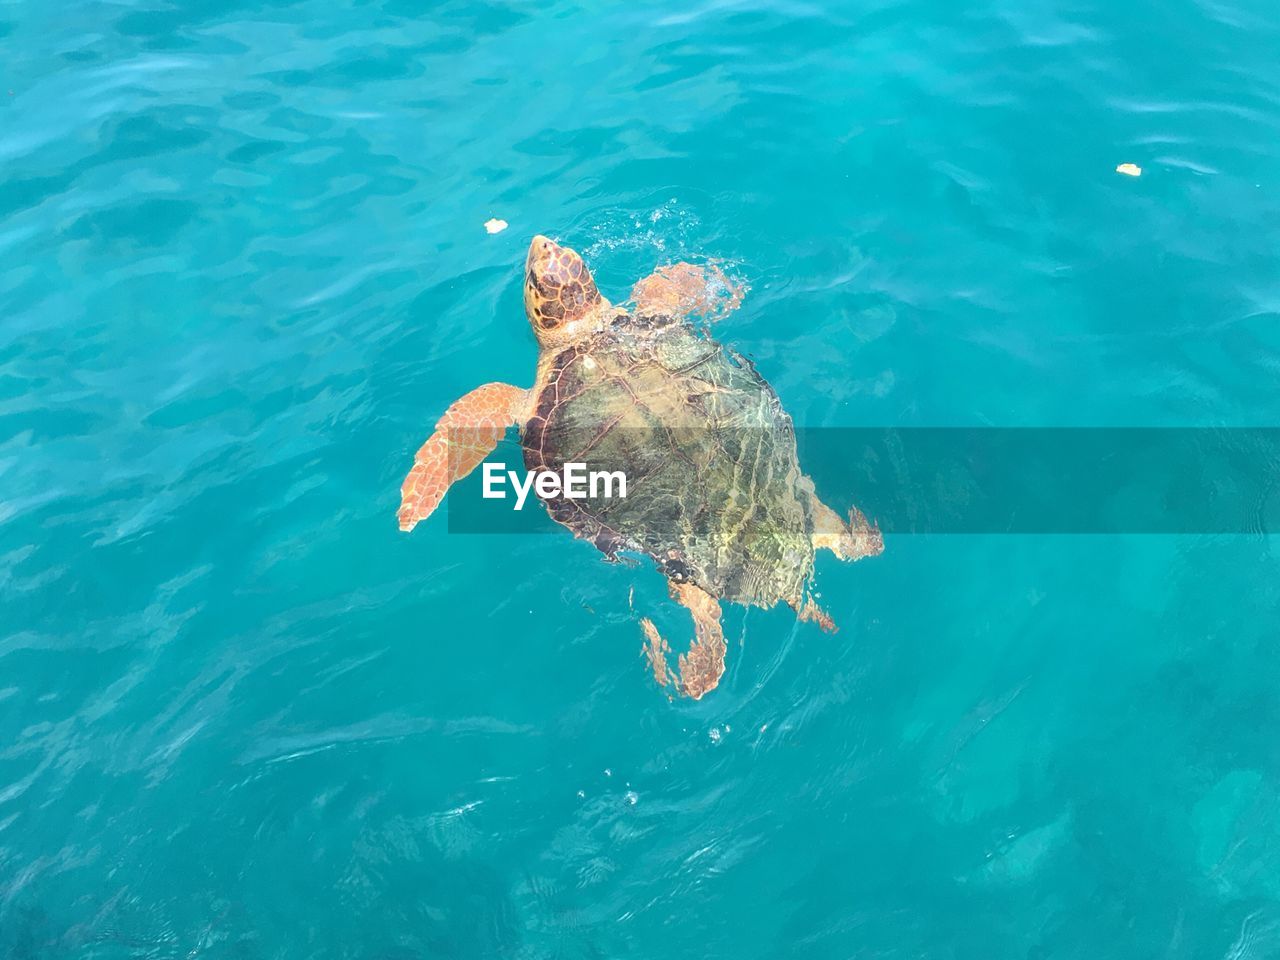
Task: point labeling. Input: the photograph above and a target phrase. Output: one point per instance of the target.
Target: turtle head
(558, 292)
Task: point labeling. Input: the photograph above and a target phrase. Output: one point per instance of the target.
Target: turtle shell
(714, 490)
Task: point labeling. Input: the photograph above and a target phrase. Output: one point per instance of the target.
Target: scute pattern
(561, 289)
(715, 493)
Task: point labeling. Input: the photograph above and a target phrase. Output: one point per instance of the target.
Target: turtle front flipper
(686, 290)
(702, 667)
(465, 435)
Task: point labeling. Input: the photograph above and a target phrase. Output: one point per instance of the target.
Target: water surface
(243, 271)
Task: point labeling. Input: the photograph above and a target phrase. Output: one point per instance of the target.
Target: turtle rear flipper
(702, 667)
(849, 541)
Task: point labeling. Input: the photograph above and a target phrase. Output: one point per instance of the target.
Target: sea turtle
(715, 493)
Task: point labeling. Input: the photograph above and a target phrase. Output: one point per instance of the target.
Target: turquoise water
(244, 270)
